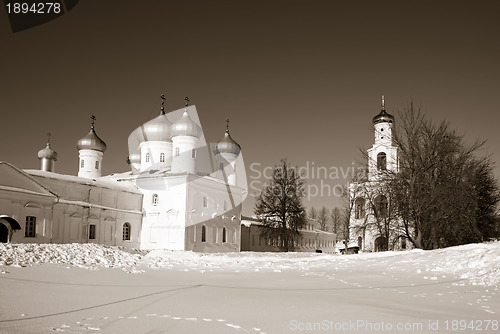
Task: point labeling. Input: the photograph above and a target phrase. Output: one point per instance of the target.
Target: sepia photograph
(237, 166)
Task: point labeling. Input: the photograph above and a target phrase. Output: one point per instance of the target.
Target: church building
(179, 194)
(372, 222)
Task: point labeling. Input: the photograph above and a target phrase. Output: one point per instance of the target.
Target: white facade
(370, 207)
(171, 198)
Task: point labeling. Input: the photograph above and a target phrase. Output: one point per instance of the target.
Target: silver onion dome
(91, 141)
(157, 129)
(227, 144)
(382, 117)
(47, 153)
(185, 126)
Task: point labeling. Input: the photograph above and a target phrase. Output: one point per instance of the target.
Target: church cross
(93, 121)
(162, 103)
(187, 100)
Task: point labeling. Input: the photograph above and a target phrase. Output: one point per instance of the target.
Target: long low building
(311, 238)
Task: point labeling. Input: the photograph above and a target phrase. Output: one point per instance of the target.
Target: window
(203, 234)
(162, 157)
(225, 205)
(155, 199)
(205, 202)
(126, 232)
(177, 151)
(224, 238)
(380, 204)
(381, 161)
(147, 157)
(30, 230)
(221, 166)
(97, 165)
(359, 209)
(82, 163)
(193, 153)
(91, 232)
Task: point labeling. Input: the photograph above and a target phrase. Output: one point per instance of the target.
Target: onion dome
(227, 144)
(185, 126)
(91, 141)
(383, 116)
(134, 158)
(157, 129)
(47, 153)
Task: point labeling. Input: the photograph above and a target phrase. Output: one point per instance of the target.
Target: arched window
(97, 165)
(82, 163)
(177, 151)
(126, 231)
(382, 161)
(203, 233)
(193, 153)
(224, 238)
(162, 157)
(381, 206)
(225, 205)
(205, 202)
(359, 208)
(155, 199)
(147, 157)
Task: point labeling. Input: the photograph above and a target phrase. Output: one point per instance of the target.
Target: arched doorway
(381, 244)
(7, 226)
(4, 233)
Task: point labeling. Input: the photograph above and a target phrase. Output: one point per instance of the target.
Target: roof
(110, 182)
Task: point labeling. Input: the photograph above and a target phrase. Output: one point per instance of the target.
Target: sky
(300, 80)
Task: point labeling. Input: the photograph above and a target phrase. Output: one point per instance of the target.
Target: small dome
(47, 153)
(227, 145)
(91, 142)
(157, 129)
(185, 126)
(134, 158)
(383, 117)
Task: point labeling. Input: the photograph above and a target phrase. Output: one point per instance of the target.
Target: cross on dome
(162, 103)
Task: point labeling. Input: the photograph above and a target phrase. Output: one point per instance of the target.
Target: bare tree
(313, 213)
(336, 219)
(441, 184)
(323, 218)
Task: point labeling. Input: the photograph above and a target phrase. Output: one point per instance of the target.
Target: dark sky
(298, 79)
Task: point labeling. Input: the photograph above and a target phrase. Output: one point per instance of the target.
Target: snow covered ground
(76, 288)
